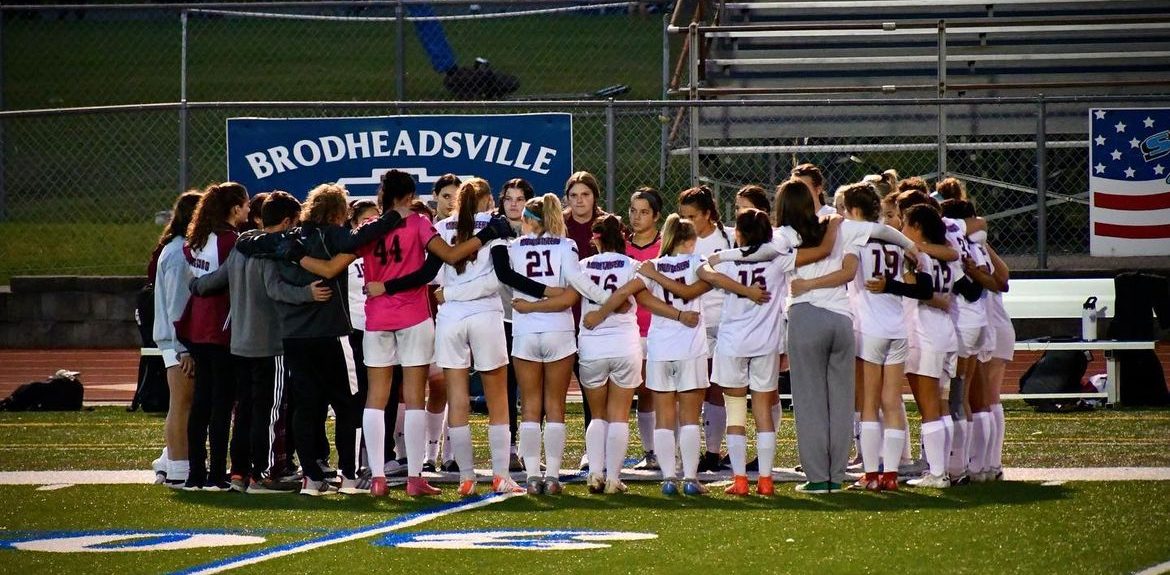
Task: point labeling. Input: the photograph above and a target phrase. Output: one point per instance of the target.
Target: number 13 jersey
(549, 260)
(669, 339)
(401, 252)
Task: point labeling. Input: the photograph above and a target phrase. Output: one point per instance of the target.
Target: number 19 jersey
(548, 260)
(669, 339)
(399, 253)
(879, 314)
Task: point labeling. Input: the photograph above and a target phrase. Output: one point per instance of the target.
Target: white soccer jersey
(850, 236)
(973, 314)
(548, 260)
(357, 294)
(668, 339)
(479, 270)
(879, 314)
(748, 329)
(720, 239)
(617, 336)
(205, 259)
(933, 328)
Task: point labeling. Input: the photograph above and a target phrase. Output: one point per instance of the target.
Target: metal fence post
(610, 157)
(663, 144)
(942, 94)
(1041, 184)
(693, 36)
(3, 190)
(183, 160)
(400, 54)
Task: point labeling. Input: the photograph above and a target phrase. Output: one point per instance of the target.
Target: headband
(530, 214)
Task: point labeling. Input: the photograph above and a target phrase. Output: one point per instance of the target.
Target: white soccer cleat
(932, 481)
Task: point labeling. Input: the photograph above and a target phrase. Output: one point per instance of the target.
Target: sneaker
(693, 487)
(928, 480)
(960, 479)
(834, 487)
(912, 468)
(815, 487)
(220, 485)
(378, 486)
(856, 465)
(505, 485)
(357, 486)
(238, 484)
(670, 487)
(868, 482)
(649, 462)
(326, 468)
(535, 485)
(612, 487)
(753, 465)
(765, 486)
(160, 470)
(552, 486)
(467, 488)
(584, 464)
(395, 468)
(710, 462)
(417, 486)
(193, 484)
(514, 463)
(269, 485)
(450, 466)
(595, 483)
(888, 481)
(314, 488)
(175, 483)
(739, 486)
(429, 466)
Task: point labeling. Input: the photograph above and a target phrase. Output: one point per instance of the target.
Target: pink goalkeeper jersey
(401, 252)
(647, 252)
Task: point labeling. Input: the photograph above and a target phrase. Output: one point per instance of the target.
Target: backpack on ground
(152, 393)
(61, 392)
(1057, 371)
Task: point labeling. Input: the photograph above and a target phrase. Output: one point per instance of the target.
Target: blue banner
(297, 154)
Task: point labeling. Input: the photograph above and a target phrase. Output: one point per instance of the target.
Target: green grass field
(1013, 527)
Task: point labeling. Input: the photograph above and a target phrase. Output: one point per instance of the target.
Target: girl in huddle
(203, 328)
(643, 244)
(543, 345)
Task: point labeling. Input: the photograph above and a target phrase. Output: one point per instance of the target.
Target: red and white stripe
(1129, 218)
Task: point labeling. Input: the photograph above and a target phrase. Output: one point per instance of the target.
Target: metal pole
(3, 143)
(183, 159)
(942, 93)
(693, 35)
(664, 116)
(1041, 184)
(610, 168)
(400, 54)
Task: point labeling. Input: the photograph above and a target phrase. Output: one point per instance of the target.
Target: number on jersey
(533, 270)
(886, 261)
(609, 284)
(756, 277)
(395, 251)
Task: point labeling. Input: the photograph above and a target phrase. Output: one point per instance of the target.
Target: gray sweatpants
(821, 356)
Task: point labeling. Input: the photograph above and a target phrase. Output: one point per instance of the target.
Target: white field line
(1156, 569)
(1041, 474)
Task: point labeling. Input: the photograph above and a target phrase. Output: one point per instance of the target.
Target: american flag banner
(1129, 181)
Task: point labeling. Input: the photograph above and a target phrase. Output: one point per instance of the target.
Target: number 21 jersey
(548, 260)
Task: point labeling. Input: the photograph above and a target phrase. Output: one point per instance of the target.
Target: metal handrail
(931, 23)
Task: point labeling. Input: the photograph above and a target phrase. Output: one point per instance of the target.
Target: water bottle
(1089, 320)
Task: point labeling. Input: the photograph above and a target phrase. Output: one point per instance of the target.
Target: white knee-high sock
(907, 454)
(554, 448)
(980, 434)
(374, 430)
(399, 437)
(957, 465)
(664, 444)
(997, 437)
(434, 424)
(857, 432)
(414, 434)
(688, 444)
(498, 439)
(934, 444)
(461, 449)
(596, 435)
(646, 430)
(871, 445)
(766, 452)
(178, 469)
(892, 442)
(714, 426)
(949, 428)
(737, 451)
(617, 439)
(529, 447)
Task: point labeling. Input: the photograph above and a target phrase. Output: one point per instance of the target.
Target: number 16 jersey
(401, 252)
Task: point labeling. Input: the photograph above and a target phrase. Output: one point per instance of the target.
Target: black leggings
(513, 388)
(211, 412)
(363, 381)
(319, 379)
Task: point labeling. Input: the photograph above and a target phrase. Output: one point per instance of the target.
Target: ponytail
(553, 214)
(675, 232)
(213, 210)
(754, 227)
(467, 201)
(181, 214)
(610, 237)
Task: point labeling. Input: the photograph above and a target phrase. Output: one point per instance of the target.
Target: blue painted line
(341, 536)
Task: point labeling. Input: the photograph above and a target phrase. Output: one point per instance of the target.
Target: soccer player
(643, 244)
(170, 299)
(444, 191)
(1003, 344)
(514, 194)
(204, 328)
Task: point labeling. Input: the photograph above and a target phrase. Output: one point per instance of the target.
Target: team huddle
(394, 315)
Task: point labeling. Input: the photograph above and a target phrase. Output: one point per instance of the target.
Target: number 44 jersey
(399, 253)
(549, 260)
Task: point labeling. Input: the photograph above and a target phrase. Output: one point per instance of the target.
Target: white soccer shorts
(758, 373)
(882, 351)
(677, 375)
(408, 347)
(940, 365)
(626, 372)
(480, 336)
(972, 340)
(544, 347)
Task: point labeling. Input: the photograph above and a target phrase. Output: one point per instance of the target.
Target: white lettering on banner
(407, 144)
(380, 149)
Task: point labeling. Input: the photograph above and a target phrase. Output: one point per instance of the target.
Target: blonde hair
(326, 204)
(675, 232)
(467, 199)
(552, 219)
(952, 189)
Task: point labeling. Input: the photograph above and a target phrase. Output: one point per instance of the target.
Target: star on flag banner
(1129, 181)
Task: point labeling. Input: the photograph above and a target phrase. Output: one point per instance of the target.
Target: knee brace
(736, 410)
